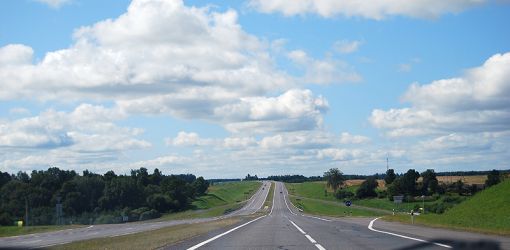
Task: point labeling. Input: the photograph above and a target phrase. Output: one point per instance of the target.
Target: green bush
(151, 214)
(108, 219)
(343, 194)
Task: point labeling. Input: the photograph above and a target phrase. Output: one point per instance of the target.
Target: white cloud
(190, 139)
(294, 110)
(337, 154)
(162, 57)
(87, 128)
(15, 55)
(476, 102)
(346, 47)
(346, 138)
(327, 71)
(377, 9)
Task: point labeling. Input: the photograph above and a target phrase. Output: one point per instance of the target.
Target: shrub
(151, 214)
(108, 219)
(343, 194)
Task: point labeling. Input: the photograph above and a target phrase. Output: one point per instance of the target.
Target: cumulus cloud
(162, 57)
(190, 139)
(378, 9)
(475, 102)
(346, 138)
(326, 71)
(87, 128)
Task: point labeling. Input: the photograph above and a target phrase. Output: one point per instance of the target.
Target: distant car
(281, 192)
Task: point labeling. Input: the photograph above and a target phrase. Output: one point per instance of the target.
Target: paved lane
(286, 228)
(112, 230)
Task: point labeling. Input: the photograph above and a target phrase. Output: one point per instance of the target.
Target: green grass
(329, 209)
(311, 190)
(227, 193)
(220, 199)
(384, 203)
(154, 239)
(269, 200)
(488, 211)
(6, 231)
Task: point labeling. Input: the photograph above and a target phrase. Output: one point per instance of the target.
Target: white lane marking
(285, 199)
(370, 226)
(298, 228)
(317, 245)
(223, 234)
(318, 218)
(274, 194)
(90, 226)
(310, 239)
(320, 247)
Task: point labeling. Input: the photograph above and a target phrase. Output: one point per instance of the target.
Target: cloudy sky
(225, 88)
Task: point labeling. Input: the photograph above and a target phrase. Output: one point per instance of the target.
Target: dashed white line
(298, 228)
(223, 234)
(370, 226)
(317, 245)
(310, 239)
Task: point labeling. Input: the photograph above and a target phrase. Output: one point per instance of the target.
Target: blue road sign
(348, 203)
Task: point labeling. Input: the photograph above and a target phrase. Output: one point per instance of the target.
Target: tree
(367, 188)
(390, 176)
(409, 182)
(493, 178)
(429, 183)
(334, 178)
(200, 185)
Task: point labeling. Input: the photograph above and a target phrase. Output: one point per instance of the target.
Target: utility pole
(387, 165)
(26, 211)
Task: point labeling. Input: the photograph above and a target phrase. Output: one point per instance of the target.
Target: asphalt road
(285, 228)
(49, 239)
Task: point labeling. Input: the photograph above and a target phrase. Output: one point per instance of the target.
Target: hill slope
(488, 211)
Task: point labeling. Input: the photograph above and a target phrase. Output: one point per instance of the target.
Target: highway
(285, 228)
(282, 227)
(42, 240)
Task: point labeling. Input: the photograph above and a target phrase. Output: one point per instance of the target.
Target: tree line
(406, 184)
(94, 198)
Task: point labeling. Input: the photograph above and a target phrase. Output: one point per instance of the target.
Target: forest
(92, 198)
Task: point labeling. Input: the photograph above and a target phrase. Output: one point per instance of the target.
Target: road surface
(49, 239)
(285, 228)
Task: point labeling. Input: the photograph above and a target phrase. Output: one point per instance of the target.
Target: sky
(222, 89)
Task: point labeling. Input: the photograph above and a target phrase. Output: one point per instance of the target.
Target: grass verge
(6, 231)
(329, 209)
(151, 239)
(487, 212)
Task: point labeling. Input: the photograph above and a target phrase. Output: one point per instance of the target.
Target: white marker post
(412, 217)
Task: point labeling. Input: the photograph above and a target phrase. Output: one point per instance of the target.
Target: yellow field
(475, 179)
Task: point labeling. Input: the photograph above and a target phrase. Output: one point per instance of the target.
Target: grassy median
(151, 239)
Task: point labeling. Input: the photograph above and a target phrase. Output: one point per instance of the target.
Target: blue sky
(226, 88)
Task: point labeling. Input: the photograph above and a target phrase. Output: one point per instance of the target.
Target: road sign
(398, 198)
(348, 203)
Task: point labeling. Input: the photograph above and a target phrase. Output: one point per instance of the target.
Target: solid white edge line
(318, 218)
(285, 199)
(370, 226)
(298, 228)
(310, 238)
(223, 234)
(274, 194)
